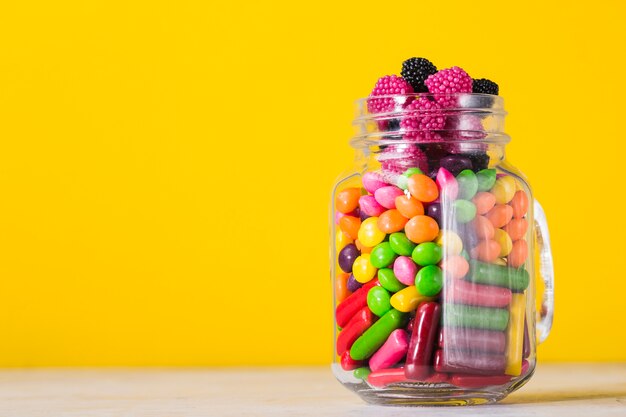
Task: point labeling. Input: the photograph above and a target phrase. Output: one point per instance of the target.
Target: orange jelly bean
(350, 225)
(408, 206)
(361, 247)
(421, 229)
(483, 227)
(519, 204)
(455, 266)
(423, 188)
(391, 221)
(341, 286)
(516, 228)
(487, 250)
(484, 201)
(346, 201)
(500, 215)
(518, 254)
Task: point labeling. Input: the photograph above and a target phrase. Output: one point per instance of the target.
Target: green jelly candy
(362, 373)
(403, 180)
(486, 179)
(388, 280)
(465, 211)
(378, 300)
(468, 184)
(401, 244)
(374, 337)
(382, 255)
(429, 280)
(458, 315)
(517, 279)
(427, 253)
(465, 255)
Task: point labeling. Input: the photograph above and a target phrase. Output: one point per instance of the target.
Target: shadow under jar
(436, 242)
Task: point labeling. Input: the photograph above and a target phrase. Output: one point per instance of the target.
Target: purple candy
(434, 211)
(346, 257)
(455, 163)
(353, 284)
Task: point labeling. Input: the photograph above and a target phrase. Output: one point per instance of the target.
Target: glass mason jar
(436, 244)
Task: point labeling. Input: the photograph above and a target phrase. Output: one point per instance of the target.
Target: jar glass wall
(432, 257)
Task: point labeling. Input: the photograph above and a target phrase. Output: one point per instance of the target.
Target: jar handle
(546, 268)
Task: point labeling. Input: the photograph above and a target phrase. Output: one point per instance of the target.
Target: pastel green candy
(465, 255)
(401, 244)
(486, 179)
(429, 280)
(382, 255)
(378, 300)
(427, 253)
(468, 184)
(516, 279)
(458, 315)
(388, 280)
(465, 211)
(362, 373)
(403, 180)
(374, 337)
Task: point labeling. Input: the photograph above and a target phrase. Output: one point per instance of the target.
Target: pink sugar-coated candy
(391, 351)
(447, 184)
(370, 206)
(372, 182)
(386, 196)
(405, 270)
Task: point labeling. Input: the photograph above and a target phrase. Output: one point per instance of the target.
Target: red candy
(354, 329)
(349, 364)
(421, 345)
(384, 377)
(469, 362)
(464, 292)
(351, 305)
(478, 381)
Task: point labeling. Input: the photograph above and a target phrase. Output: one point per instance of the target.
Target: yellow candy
(362, 269)
(450, 241)
(369, 233)
(408, 299)
(515, 335)
(504, 240)
(504, 189)
(341, 240)
(500, 261)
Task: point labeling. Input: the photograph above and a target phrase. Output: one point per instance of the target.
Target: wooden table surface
(588, 390)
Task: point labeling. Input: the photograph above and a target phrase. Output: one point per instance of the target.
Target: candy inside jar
(434, 289)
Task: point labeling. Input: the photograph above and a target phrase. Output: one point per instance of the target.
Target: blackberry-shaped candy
(480, 160)
(415, 71)
(485, 86)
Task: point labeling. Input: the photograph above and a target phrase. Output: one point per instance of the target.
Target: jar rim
(466, 117)
(466, 100)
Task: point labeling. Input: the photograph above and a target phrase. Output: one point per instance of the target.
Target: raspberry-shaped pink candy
(422, 116)
(387, 85)
(398, 158)
(448, 81)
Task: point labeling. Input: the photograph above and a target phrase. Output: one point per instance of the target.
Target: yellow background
(165, 167)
